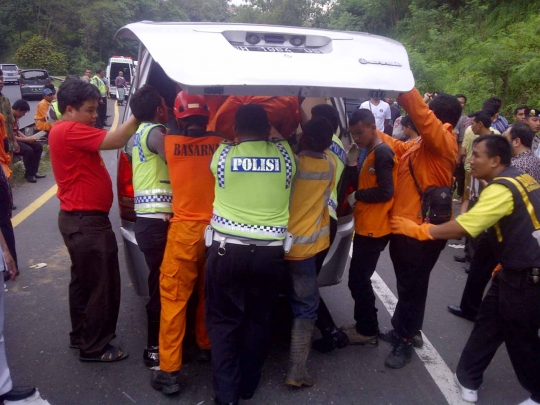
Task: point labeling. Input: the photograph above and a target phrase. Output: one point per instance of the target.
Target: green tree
(41, 53)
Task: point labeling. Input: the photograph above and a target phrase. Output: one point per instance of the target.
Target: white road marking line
(434, 363)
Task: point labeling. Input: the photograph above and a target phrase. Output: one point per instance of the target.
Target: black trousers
(413, 261)
(325, 322)
(241, 288)
(366, 252)
(151, 236)
(482, 265)
(31, 155)
(510, 313)
(102, 113)
(94, 290)
(459, 174)
(7, 230)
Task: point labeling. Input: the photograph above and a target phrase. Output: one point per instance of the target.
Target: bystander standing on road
(120, 83)
(27, 147)
(86, 196)
(246, 265)
(373, 199)
(86, 76)
(463, 123)
(510, 312)
(380, 110)
(493, 106)
(532, 118)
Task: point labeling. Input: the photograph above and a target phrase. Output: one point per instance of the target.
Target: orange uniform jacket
(373, 219)
(41, 116)
(187, 156)
(4, 155)
(433, 156)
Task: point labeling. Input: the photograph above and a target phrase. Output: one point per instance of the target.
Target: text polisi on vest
(255, 164)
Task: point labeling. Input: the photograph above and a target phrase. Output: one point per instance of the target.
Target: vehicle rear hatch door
(245, 59)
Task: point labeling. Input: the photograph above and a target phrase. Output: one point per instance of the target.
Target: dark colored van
(32, 82)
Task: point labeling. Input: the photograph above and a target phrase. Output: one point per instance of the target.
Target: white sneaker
(529, 402)
(467, 394)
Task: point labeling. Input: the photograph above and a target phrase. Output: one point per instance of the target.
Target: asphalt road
(13, 92)
(37, 327)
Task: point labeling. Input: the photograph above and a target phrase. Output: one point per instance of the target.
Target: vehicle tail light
(124, 183)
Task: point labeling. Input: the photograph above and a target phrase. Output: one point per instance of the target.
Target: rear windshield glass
(120, 67)
(9, 67)
(35, 75)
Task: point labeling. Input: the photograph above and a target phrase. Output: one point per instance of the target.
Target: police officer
(246, 255)
(153, 200)
(510, 207)
(102, 106)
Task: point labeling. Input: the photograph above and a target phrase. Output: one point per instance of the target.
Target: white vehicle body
(115, 65)
(260, 60)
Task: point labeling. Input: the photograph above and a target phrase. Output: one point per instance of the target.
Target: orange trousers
(182, 271)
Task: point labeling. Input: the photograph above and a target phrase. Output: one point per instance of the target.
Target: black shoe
(457, 311)
(218, 402)
(31, 179)
(18, 394)
(400, 355)
(40, 176)
(247, 395)
(151, 356)
(392, 337)
(336, 339)
(204, 356)
(461, 259)
(168, 383)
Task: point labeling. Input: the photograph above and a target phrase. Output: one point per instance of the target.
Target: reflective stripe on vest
(137, 141)
(271, 232)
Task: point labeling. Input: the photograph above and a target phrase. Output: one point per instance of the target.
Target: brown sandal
(110, 355)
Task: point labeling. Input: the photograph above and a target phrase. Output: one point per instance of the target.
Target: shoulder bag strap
(414, 178)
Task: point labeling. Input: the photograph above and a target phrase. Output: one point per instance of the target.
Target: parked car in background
(11, 73)
(260, 60)
(32, 82)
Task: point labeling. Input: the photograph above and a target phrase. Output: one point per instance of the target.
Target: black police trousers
(482, 264)
(241, 287)
(510, 313)
(151, 236)
(413, 261)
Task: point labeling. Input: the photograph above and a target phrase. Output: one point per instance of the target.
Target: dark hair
(407, 121)
(326, 111)
(50, 86)
(21, 105)
(75, 93)
(251, 119)
(522, 131)
(446, 108)
(318, 134)
(463, 96)
(144, 103)
(482, 116)
(519, 107)
(98, 70)
(496, 145)
(491, 106)
(72, 77)
(362, 115)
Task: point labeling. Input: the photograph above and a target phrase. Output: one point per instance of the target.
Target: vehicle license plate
(277, 49)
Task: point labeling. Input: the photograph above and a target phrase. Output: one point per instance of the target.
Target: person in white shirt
(381, 111)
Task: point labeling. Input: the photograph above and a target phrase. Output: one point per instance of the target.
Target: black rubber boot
(331, 340)
(297, 376)
(168, 383)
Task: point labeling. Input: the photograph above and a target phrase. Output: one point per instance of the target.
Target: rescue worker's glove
(404, 226)
(352, 155)
(351, 199)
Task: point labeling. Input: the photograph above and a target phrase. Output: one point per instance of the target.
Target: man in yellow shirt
(42, 109)
(508, 208)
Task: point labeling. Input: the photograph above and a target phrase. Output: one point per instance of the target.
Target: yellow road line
(47, 195)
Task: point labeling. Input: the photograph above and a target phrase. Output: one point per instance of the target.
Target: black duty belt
(85, 213)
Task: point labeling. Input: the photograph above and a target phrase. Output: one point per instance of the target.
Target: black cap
(532, 112)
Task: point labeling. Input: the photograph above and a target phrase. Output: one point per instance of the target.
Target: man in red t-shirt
(86, 196)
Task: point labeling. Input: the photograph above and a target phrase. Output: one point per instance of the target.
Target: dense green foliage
(477, 47)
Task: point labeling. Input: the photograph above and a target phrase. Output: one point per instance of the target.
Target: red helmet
(186, 105)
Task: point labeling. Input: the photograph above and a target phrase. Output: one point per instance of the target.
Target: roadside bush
(41, 53)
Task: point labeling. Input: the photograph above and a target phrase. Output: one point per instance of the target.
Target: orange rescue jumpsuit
(192, 182)
(5, 159)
